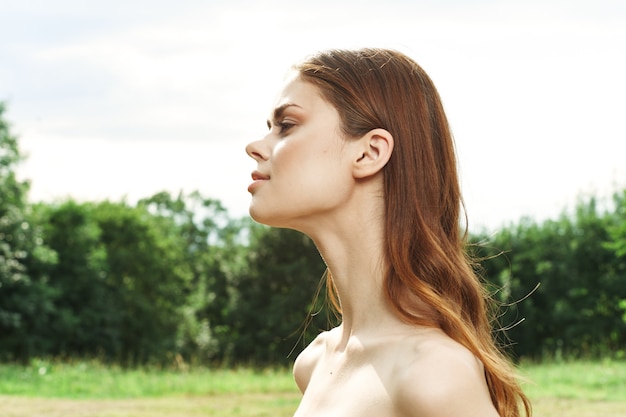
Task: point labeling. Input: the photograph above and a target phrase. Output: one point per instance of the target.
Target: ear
(374, 150)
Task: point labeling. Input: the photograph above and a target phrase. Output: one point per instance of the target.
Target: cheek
(290, 158)
(310, 162)
(284, 157)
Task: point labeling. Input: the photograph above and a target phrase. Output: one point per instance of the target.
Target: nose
(257, 151)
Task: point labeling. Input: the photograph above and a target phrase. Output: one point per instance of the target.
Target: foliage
(24, 260)
(275, 298)
(116, 288)
(577, 310)
(209, 248)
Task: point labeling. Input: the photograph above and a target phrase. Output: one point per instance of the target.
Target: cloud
(167, 96)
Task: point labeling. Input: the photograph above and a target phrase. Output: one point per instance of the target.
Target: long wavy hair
(430, 278)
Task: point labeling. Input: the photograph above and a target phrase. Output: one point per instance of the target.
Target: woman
(359, 157)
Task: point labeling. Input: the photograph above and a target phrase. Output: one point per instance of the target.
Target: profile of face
(303, 163)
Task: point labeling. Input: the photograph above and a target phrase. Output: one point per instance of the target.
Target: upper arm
(306, 361)
(444, 384)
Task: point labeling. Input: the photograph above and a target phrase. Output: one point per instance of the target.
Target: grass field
(89, 389)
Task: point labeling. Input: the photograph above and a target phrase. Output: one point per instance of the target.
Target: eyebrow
(278, 112)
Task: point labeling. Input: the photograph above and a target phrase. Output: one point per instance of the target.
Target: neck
(352, 247)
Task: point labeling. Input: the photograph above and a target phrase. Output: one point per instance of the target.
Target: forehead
(296, 91)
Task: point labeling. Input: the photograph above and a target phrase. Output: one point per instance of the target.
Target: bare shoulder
(440, 377)
(307, 360)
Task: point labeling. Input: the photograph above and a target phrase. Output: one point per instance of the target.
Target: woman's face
(303, 163)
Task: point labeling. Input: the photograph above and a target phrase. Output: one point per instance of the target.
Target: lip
(258, 178)
(256, 175)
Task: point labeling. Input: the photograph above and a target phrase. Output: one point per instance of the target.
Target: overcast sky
(116, 99)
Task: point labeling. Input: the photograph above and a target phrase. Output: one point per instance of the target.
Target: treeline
(152, 281)
(174, 277)
(561, 283)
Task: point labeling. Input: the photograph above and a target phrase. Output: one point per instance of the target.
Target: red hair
(430, 279)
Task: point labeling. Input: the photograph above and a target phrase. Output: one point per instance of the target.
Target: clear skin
(312, 179)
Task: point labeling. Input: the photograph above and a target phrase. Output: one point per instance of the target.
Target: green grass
(55, 389)
(82, 380)
(588, 380)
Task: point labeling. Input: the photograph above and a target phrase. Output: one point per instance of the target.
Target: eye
(284, 126)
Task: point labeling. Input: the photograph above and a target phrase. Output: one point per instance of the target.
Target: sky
(125, 98)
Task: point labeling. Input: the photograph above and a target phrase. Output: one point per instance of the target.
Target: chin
(254, 214)
(260, 216)
(268, 217)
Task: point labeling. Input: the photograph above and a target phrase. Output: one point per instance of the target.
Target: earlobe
(374, 151)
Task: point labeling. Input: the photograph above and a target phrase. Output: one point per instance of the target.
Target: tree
(146, 270)
(24, 259)
(275, 297)
(84, 322)
(577, 309)
(210, 251)
(617, 244)
(617, 229)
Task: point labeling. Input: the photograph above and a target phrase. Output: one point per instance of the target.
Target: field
(89, 389)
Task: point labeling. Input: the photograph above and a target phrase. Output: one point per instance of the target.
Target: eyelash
(284, 126)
